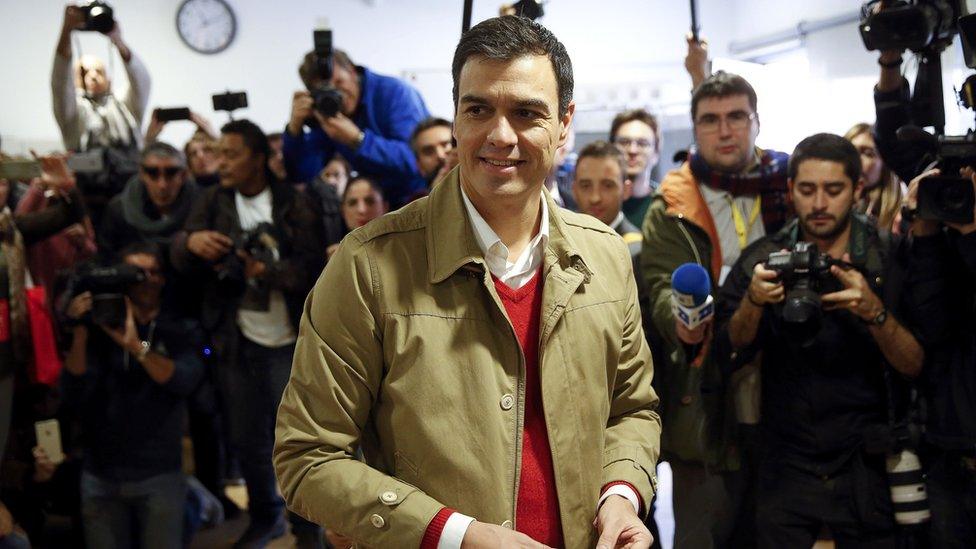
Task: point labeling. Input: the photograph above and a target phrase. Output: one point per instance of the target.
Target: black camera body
(229, 101)
(325, 98)
(108, 286)
(949, 197)
(99, 17)
(915, 25)
(260, 243)
(805, 274)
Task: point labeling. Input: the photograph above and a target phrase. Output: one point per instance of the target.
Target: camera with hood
(325, 98)
(108, 286)
(99, 17)
(805, 274)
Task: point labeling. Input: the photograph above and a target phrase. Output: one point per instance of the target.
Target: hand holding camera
(126, 336)
(857, 297)
(79, 306)
(765, 288)
(341, 129)
(301, 110)
(209, 245)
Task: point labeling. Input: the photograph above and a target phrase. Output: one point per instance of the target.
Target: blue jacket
(388, 111)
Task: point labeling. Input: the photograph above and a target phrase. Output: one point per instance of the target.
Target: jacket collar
(451, 243)
(683, 199)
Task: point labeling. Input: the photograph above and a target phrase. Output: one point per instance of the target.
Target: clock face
(207, 26)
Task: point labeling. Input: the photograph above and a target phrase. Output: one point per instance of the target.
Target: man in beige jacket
(482, 347)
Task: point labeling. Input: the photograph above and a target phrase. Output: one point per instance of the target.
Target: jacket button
(377, 521)
(507, 402)
(388, 497)
(507, 524)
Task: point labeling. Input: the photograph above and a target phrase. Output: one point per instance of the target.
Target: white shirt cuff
(454, 530)
(620, 490)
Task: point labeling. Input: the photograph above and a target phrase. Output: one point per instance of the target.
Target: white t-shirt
(271, 328)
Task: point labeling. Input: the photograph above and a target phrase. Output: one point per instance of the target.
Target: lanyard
(741, 229)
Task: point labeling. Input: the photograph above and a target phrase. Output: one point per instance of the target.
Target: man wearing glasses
(637, 135)
(727, 195)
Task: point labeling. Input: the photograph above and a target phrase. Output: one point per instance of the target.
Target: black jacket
(301, 255)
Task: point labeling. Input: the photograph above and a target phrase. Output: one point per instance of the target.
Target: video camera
(927, 28)
(325, 99)
(108, 286)
(805, 274)
(98, 17)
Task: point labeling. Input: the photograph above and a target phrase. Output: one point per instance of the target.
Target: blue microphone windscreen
(691, 282)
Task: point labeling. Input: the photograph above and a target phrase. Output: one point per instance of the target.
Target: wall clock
(206, 26)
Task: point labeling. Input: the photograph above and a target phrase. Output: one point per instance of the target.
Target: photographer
(823, 368)
(943, 292)
(255, 247)
(87, 111)
(128, 382)
(372, 129)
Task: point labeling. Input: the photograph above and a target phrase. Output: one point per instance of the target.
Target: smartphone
(49, 438)
(229, 101)
(19, 169)
(176, 113)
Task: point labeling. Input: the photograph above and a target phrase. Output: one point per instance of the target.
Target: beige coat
(405, 351)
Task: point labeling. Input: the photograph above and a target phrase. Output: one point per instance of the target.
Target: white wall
(633, 44)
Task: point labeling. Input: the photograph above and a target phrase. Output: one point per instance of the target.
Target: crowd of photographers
(811, 314)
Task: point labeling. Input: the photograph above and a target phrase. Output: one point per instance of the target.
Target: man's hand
(43, 466)
(74, 18)
(340, 128)
(692, 336)
(481, 535)
(6, 521)
(127, 337)
(764, 289)
(301, 110)
(857, 297)
(155, 127)
(620, 527)
(920, 227)
(203, 124)
(696, 60)
(79, 306)
(209, 245)
(252, 267)
(55, 174)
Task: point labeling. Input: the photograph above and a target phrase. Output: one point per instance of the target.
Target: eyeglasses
(626, 142)
(169, 172)
(737, 121)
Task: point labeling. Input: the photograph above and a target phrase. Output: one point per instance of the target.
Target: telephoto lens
(907, 485)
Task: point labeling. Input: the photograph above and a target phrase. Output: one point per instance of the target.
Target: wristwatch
(879, 319)
(359, 139)
(141, 355)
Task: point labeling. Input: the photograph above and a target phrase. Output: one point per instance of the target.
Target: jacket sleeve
(65, 102)
(727, 303)
(305, 155)
(892, 111)
(633, 435)
(297, 272)
(59, 214)
(387, 151)
(664, 249)
(335, 379)
(136, 94)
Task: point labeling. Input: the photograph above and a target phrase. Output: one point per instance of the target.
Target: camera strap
(741, 229)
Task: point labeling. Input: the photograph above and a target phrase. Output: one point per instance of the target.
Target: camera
(914, 25)
(108, 286)
(230, 101)
(805, 274)
(325, 99)
(261, 244)
(98, 17)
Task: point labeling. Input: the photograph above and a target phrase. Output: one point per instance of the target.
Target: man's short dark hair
(640, 115)
(510, 37)
(604, 149)
(142, 247)
(308, 70)
(723, 84)
(830, 147)
(163, 150)
(253, 136)
(426, 124)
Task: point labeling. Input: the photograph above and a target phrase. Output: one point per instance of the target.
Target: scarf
(135, 203)
(767, 179)
(12, 245)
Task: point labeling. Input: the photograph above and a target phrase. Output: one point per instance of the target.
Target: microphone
(691, 300)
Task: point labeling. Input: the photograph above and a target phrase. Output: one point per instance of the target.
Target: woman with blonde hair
(882, 194)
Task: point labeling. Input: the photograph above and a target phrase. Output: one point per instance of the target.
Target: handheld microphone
(691, 300)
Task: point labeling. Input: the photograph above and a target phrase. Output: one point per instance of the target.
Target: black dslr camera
(108, 286)
(98, 17)
(805, 274)
(260, 243)
(325, 99)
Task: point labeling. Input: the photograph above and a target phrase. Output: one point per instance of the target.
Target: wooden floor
(224, 535)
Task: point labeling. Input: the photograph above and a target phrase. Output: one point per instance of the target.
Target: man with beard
(823, 381)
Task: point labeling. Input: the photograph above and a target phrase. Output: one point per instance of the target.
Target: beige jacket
(405, 351)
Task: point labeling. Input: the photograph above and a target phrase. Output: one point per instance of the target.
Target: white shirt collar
(514, 274)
